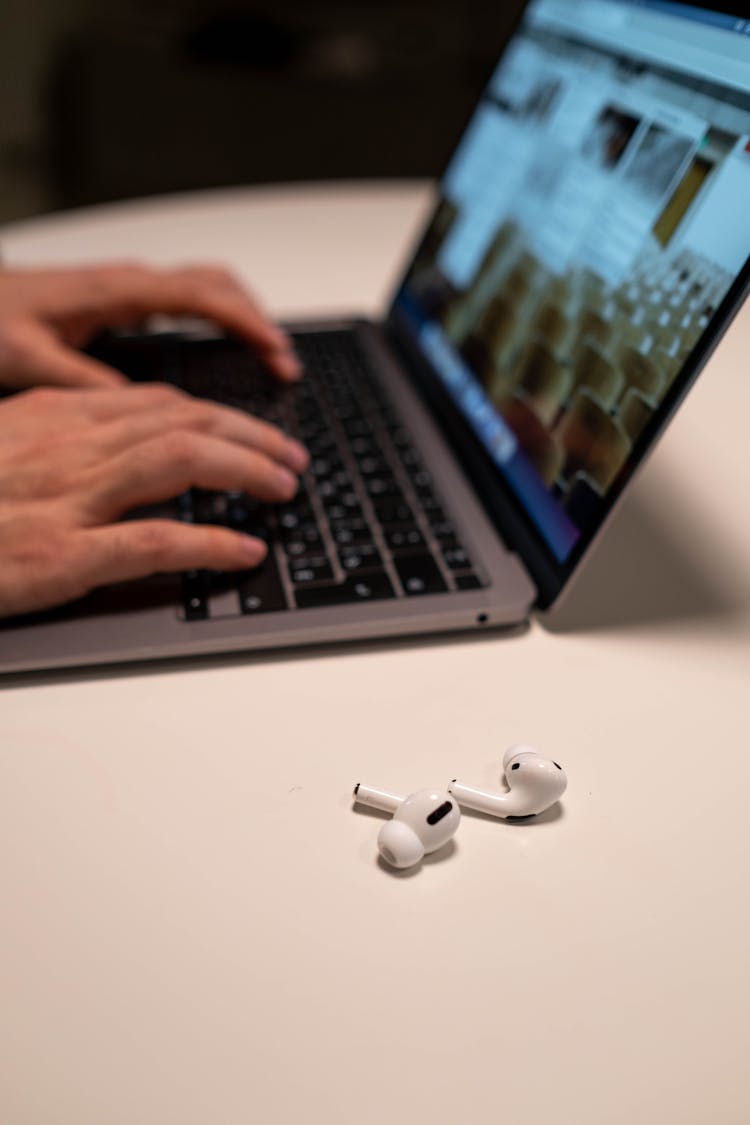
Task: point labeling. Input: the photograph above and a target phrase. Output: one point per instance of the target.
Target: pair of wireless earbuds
(426, 820)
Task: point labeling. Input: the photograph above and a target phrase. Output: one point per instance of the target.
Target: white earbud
(422, 822)
(534, 783)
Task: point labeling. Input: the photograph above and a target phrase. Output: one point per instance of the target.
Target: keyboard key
(371, 466)
(311, 570)
(351, 532)
(368, 588)
(467, 582)
(393, 511)
(195, 586)
(260, 590)
(363, 447)
(306, 530)
(322, 467)
(328, 491)
(342, 505)
(442, 529)
(290, 519)
(184, 508)
(431, 507)
(240, 511)
(209, 507)
(347, 411)
(305, 540)
(321, 444)
(456, 558)
(404, 539)
(422, 480)
(411, 460)
(357, 427)
(380, 487)
(361, 557)
(419, 574)
(356, 524)
(297, 548)
(400, 437)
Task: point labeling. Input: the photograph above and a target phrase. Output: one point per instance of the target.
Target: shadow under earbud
(549, 816)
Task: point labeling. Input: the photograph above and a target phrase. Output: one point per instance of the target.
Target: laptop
(588, 249)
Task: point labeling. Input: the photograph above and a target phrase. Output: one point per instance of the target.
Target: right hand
(72, 462)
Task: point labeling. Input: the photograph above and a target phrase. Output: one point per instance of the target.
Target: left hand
(46, 315)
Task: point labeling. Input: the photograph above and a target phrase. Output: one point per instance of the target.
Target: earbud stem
(494, 804)
(374, 798)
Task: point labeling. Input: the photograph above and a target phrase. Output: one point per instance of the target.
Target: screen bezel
(513, 523)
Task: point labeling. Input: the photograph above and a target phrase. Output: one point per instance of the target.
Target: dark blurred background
(136, 97)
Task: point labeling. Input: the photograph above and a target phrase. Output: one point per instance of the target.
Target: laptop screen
(590, 223)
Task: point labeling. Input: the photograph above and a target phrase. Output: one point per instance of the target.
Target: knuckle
(112, 275)
(209, 271)
(162, 394)
(155, 542)
(178, 447)
(44, 399)
(195, 418)
(274, 444)
(102, 281)
(15, 341)
(192, 287)
(115, 266)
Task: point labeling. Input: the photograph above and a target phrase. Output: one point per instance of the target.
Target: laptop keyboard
(367, 522)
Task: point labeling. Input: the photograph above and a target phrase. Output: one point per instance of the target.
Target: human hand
(73, 461)
(45, 315)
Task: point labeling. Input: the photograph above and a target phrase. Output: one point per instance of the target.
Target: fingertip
(253, 550)
(286, 365)
(297, 456)
(280, 350)
(110, 380)
(82, 372)
(286, 482)
(67, 367)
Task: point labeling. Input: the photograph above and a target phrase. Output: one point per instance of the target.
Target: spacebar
(368, 588)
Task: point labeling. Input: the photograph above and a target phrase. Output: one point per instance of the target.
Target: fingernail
(297, 456)
(286, 481)
(288, 365)
(254, 550)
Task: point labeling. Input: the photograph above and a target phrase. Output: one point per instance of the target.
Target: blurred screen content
(590, 224)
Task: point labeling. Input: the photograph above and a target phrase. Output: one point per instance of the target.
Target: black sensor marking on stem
(437, 814)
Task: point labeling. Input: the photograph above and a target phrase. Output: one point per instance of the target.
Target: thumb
(37, 357)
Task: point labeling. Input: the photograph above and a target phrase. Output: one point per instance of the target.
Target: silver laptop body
(589, 248)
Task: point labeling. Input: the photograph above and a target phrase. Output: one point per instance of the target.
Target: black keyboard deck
(366, 523)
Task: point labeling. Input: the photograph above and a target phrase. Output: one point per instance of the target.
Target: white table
(193, 925)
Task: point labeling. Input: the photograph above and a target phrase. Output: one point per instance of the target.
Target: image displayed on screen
(590, 223)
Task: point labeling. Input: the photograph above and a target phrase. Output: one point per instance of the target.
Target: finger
(213, 419)
(163, 467)
(38, 357)
(138, 548)
(103, 405)
(279, 349)
(138, 412)
(93, 404)
(146, 410)
(123, 294)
